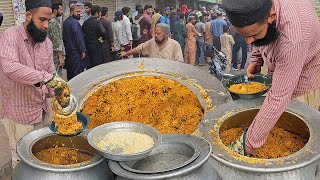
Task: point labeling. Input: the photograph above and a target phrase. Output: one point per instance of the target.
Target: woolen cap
(243, 13)
(32, 4)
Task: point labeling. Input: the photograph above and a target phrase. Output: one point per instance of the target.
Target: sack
(136, 29)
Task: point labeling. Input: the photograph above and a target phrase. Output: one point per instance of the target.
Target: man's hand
(239, 146)
(83, 55)
(61, 62)
(123, 54)
(61, 90)
(252, 69)
(145, 31)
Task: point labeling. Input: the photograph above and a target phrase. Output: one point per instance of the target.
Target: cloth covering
(32, 4)
(243, 13)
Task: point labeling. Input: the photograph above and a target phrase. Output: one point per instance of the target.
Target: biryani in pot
(162, 103)
(249, 88)
(280, 143)
(62, 156)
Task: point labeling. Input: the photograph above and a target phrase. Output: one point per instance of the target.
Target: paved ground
(5, 156)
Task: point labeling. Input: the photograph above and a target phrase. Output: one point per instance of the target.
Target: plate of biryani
(250, 88)
(69, 125)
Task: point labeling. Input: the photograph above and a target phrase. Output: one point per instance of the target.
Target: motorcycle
(218, 65)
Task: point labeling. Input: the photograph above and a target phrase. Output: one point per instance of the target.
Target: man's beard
(159, 41)
(76, 17)
(37, 34)
(58, 15)
(271, 35)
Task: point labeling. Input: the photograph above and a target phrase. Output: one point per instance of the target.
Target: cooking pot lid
(188, 162)
(167, 156)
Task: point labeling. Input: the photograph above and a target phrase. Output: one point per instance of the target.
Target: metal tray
(205, 151)
(167, 156)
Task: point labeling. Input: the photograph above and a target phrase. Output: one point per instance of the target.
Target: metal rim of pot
(209, 91)
(307, 155)
(24, 151)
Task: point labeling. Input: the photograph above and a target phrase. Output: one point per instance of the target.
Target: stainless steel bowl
(98, 133)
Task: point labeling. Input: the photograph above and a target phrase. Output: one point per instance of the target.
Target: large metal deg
(195, 79)
(30, 168)
(302, 165)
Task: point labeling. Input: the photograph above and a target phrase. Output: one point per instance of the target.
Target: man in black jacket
(94, 34)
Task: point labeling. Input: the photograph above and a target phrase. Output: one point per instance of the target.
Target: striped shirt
(21, 66)
(294, 61)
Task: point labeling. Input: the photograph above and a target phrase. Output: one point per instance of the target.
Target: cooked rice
(162, 103)
(280, 143)
(250, 88)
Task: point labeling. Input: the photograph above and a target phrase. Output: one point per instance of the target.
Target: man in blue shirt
(73, 40)
(166, 17)
(217, 30)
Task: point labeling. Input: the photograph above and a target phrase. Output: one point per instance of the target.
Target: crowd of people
(100, 40)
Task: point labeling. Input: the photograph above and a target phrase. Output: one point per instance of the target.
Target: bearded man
(55, 35)
(73, 40)
(26, 67)
(286, 36)
(161, 46)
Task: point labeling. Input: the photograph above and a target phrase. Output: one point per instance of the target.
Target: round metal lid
(205, 151)
(167, 156)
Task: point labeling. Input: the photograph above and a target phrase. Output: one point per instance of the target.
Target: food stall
(203, 108)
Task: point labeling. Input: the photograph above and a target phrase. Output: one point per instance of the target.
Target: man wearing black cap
(26, 67)
(286, 37)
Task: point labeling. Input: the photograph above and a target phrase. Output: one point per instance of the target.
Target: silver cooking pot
(298, 118)
(30, 168)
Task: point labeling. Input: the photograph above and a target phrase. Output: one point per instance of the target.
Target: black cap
(32, 4)
(243, 13)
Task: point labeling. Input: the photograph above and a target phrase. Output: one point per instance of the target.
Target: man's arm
(143, 48)
(56, 38)
(162, 19)
(256, 62)
(78, 35)
(178, 52)
(109, 32)
(288, 68)
(103, 32)
(13, 69)
(128, 28)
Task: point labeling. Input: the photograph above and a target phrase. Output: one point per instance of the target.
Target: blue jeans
(200, 53)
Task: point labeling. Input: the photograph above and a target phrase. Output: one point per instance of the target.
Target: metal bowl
(80, 118)
(240, 78)
(98, 133)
